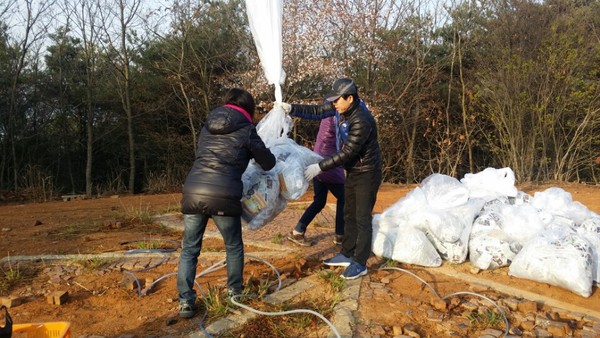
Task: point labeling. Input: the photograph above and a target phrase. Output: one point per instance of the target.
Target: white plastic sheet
(264, 17)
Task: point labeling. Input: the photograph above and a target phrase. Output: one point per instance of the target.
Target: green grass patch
(485, 319)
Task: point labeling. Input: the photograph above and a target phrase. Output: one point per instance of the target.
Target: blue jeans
(193, 232)
(319, 201)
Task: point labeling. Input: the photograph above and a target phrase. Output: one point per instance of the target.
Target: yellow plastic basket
(42, 330)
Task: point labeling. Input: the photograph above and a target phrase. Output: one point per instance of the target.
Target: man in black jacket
(213, 189)
(361, 158)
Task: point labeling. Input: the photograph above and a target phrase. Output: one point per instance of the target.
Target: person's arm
(358, 134)
(312, 111)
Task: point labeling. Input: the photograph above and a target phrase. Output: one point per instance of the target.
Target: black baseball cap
(341, 86)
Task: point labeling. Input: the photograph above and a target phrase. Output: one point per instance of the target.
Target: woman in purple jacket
(330, 138)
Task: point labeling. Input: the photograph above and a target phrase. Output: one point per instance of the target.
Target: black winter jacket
(361, 150)
(227, 142)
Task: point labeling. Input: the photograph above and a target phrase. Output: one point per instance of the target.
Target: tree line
(108, 96)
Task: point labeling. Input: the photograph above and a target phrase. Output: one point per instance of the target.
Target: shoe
(232, 293)
(354, 271)
(298, 239)
(337, 239)
(338, 260)
(187, 310)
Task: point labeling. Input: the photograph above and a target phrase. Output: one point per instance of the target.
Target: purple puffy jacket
(325, 145)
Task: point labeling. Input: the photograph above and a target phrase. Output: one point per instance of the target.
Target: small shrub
(483, 320)
(137, 214)
(277, 238)
(335, 280)
(94, 263)
(214, 301)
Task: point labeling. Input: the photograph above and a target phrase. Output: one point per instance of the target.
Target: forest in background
(107, 96)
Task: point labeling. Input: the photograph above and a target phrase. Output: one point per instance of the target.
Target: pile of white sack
(266, 193)
(547, 237)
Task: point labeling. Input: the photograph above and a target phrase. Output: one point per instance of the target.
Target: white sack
(590, 229)
(492, 249)
(383, 240)
(261, 201)
(558, 256)
(406, 210)
(495, 204)
(489, 246)
(274, 127)
(456, 251)
(413, 247)
(491, 183)
(292, 160)
(559, 202)
(521, 222)
(442, 191)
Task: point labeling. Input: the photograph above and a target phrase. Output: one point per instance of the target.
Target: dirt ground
(99, 302)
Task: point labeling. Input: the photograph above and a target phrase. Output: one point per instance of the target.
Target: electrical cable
(220, 264)
(454, 294)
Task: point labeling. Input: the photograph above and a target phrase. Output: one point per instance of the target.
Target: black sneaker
(187, 310)
(337, 239)
(298, 239)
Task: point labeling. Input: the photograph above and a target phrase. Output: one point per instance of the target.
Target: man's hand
(312, 171)
(286, 107)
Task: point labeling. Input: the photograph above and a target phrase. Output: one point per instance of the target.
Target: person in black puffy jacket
(361, 157)
(213, 188)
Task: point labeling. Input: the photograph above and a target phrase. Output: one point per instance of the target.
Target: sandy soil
(99, 302)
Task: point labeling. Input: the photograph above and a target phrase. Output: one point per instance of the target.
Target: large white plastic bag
(261, 200)
(264, 18)
(292, 160)
(413, 247)
(462, 215)
(489, 246)
(406, 210)
(382, 243)
(521, 222)
(491, 183)
(274, 127)
(590, 229)
(495, 204)
(444, 225)
(557, 201)
(492, 249)
(444, 191)
(557, 256)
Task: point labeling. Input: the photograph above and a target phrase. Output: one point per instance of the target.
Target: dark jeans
(319, 201)
(361, 194)
(194, 227)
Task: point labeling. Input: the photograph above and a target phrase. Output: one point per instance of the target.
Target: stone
(11, 301)
(527, 306)
(541, 333)
(528, 325)
(438, 304)
(470, 306)
(558, 329)
(511, 303)
(58, 297)
(411, 330)
(492, 332)
(397, 331)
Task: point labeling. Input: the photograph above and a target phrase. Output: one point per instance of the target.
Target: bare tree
(84, 14)
(119, 19)
(34, 21)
